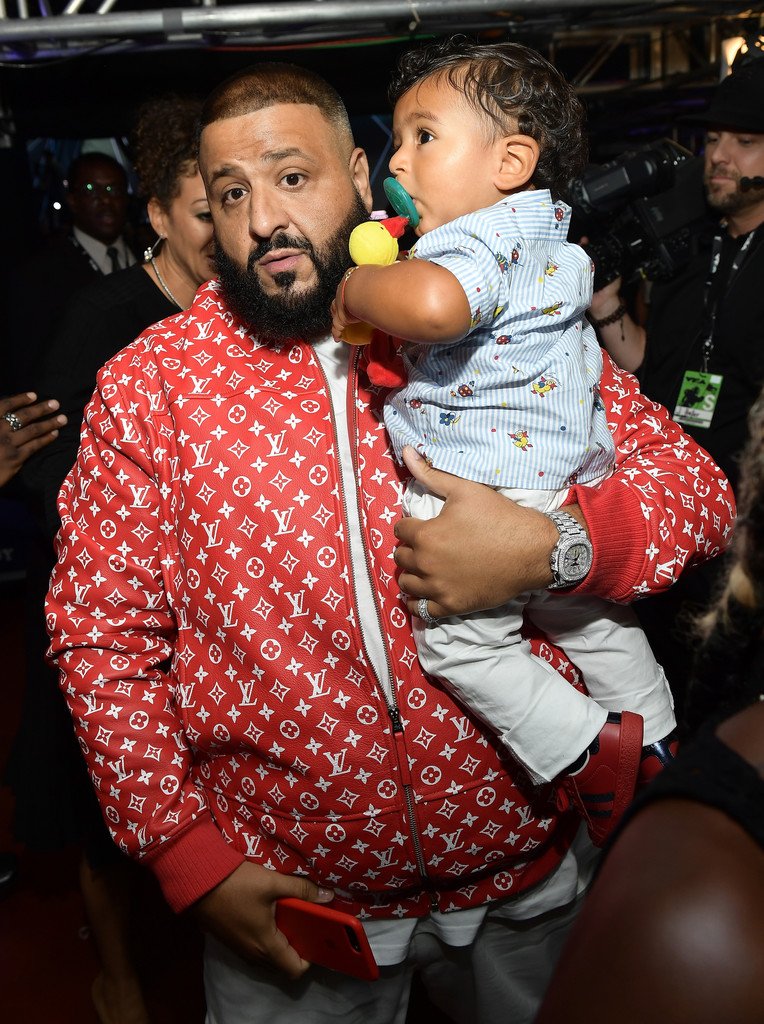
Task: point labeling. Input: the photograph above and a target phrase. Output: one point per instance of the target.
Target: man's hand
(481, 551)
(25, 427)
(240, 912)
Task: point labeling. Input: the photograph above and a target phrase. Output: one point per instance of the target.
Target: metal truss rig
(81, 26)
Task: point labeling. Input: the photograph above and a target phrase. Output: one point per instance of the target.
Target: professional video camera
(641, 212)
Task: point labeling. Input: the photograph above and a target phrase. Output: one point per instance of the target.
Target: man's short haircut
(515, 89)
(264, 85)
(81, 163)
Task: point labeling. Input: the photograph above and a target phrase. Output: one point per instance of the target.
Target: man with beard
(701, 353)
(232, 641)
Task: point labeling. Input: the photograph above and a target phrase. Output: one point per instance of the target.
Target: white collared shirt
(97, 251)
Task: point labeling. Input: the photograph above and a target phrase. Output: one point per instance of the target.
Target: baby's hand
(340, 319)
(344, 323)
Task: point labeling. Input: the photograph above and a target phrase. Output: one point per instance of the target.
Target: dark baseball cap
(738, 102)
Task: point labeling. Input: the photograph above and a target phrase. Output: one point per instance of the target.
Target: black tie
(113, 255)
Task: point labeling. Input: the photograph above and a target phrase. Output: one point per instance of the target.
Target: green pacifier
(401, 201)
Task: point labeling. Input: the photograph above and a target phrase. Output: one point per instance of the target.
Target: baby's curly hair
(164, 145)
(515, 89)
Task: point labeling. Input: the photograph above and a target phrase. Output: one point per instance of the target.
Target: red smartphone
(328, 937)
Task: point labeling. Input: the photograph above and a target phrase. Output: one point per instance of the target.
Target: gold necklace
(162, 283)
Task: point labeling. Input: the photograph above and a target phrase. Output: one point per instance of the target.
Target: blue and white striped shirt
(516, 402)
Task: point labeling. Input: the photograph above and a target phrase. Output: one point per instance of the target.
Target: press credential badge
(697, 398)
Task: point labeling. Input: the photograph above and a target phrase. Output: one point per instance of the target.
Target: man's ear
(359, 172)
(518, 156)
(157, 217)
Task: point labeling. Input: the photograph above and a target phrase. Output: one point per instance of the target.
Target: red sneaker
(604, 787)
(655, 757)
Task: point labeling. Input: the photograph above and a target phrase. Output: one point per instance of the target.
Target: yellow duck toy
(373, 242)
(376, 241)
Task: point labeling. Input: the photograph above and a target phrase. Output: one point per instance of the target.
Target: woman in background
(107, 315)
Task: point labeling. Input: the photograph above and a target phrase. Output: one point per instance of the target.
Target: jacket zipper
(391, 701)
(408, 790)
(392, 707)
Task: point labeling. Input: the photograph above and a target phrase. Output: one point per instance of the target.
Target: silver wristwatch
(571, 557)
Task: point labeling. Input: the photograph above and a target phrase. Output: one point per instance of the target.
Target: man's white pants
(501, 976)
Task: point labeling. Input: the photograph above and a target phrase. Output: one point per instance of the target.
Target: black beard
(733, 202)
(284, 316)
(730, 203)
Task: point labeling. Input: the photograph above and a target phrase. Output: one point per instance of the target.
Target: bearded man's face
(286, 188)
(288, 310)
(730, 156)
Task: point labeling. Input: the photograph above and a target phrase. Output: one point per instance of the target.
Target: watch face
(576, 561)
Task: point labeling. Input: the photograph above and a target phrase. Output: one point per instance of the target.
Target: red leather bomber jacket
(202, 614)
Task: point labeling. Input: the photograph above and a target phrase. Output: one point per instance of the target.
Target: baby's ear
(517, 157)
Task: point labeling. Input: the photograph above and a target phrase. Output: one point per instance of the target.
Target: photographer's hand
(606, 300)
(623, 339)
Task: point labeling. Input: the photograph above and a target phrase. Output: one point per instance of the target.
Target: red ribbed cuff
(192, 864)
(618, 532)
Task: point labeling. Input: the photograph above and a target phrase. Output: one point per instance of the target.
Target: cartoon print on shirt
(521, 440)
(464, 390)
(543, 386)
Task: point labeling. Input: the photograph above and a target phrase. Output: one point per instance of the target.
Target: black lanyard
(83, 251)
(711, 300)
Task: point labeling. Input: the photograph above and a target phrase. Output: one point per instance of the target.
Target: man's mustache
(282, 241)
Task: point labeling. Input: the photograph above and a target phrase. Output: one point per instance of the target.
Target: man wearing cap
(701, 353)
